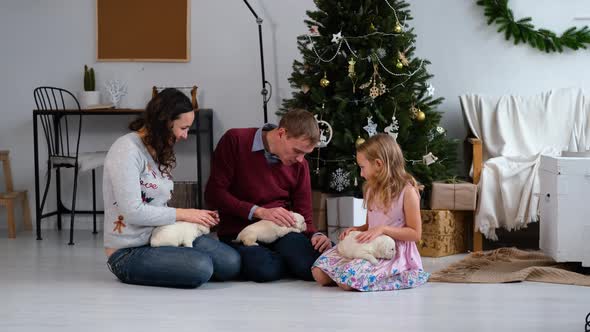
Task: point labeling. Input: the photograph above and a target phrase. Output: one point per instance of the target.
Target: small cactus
(89, 82)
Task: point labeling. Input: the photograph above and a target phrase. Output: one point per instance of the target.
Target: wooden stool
(8, 198)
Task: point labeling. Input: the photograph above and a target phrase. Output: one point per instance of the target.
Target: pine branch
(523, 31)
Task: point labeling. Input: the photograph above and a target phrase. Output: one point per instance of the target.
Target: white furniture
(565, 208)
(514, 132)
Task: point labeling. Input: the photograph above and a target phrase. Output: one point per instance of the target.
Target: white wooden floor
(49, 286)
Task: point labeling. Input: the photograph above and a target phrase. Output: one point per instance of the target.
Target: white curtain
(515, 132)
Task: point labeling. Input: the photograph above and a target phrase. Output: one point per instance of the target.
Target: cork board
(143, 30)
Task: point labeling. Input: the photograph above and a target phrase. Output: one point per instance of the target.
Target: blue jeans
(176, 266)
(292, 255)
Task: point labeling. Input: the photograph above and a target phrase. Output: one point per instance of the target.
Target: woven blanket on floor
(509, 265)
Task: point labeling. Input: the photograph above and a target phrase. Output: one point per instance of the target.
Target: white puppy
(267, 231)
(381, 247)
(178, 234)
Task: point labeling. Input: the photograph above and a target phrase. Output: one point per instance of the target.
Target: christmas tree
(359, 76)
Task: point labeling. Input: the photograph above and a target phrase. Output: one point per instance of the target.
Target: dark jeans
(292, 255)
(176, 266)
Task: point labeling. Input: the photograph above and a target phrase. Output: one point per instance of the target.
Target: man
(261, 173)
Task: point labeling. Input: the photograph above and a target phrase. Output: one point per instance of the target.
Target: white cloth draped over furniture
(515, 131)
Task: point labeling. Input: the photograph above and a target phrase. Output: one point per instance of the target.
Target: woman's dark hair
(164, 108)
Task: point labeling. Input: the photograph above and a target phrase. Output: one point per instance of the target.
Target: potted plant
(89, 96)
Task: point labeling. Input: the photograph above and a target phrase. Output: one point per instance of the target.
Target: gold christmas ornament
(324, 82)
(399, 64)
(351, 72)
(398, 28)
(414, 111)
(359, 141)
(420, 116)
(382, 88)
(374, 92)
(402, 58)
(366, 85)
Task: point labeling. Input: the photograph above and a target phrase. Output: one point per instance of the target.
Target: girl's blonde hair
(388, 182)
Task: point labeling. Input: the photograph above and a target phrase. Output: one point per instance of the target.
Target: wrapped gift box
(319, 210)
(346, 211)
(444, 232)
(461, 196)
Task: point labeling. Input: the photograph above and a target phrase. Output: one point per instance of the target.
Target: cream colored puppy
(178, 234)
(267, 231)
(381, 247)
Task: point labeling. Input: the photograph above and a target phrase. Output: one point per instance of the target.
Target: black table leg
(37, 198)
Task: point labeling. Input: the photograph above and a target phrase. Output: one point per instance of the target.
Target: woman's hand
(369, 235)
(204, 217)
(346, 231)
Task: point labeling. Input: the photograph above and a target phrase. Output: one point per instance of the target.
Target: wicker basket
(444, 232)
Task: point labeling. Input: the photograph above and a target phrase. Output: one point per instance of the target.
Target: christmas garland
(524, 31)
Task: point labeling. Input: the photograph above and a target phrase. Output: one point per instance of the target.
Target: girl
(393, 204)
(137, 185)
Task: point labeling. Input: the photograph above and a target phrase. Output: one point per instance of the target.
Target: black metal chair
(62, 134)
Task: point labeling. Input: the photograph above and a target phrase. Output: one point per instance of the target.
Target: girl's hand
(346, 231)
(204, 217)
(370, 235)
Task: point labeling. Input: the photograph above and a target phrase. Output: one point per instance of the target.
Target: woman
(137, 185)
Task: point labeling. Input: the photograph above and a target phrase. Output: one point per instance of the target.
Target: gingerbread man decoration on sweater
(119, 224)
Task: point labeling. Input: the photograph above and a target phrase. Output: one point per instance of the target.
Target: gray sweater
(135, 194)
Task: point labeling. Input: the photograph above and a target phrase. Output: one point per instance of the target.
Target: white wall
(468, 56)
(48, 42)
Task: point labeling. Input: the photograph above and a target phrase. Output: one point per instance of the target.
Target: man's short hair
(300, 123)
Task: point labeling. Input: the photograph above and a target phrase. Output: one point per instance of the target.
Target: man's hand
(320, 242)
(278, 215)
(370, 235)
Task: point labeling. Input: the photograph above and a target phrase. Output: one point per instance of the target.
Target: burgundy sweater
(241, 178)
